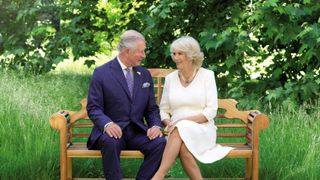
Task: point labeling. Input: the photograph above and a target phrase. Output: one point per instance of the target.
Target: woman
(188, 105)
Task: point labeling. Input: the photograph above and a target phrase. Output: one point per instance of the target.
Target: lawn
(30, 148)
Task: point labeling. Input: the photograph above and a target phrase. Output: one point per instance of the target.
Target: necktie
(129, 79)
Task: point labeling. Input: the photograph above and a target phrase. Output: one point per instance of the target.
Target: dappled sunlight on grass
(79, 67)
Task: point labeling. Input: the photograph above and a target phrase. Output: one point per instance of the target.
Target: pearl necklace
(188, 80)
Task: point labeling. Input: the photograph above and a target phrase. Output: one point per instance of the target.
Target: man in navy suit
(124, 112)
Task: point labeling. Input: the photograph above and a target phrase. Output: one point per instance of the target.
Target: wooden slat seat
(80, 150)
(236, 128)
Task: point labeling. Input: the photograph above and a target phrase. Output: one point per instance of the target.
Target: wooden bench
(244, 126)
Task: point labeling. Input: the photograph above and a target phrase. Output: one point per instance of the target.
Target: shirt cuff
(107, 125)
(156, 126)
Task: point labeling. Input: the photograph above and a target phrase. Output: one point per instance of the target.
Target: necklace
(188, 80)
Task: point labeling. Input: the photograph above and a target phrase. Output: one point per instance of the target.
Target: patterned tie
(129, 79)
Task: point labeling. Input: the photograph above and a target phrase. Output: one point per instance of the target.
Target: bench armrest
(60, 120)
(259, 121)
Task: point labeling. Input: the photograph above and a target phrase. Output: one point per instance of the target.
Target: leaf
(309, 89)
(89, 63)
(58, 59)
(272, 3)
(306, 1)
(231, 61)
(211, 44)
(19, 51)
(276, 73)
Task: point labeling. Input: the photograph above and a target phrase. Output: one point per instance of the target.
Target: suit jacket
(109, 99)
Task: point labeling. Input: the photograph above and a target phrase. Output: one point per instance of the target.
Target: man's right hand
(113, 130)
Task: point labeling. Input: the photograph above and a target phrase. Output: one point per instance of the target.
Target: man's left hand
(154, 132)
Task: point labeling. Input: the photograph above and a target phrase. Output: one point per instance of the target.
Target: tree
(270, 46)
(277, 41)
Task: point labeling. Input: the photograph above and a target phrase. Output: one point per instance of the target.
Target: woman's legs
(189, 163)
(170, 154)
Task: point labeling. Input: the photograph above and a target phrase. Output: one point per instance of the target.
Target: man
(120, 97)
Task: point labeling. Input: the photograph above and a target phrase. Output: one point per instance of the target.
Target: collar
(123, 67)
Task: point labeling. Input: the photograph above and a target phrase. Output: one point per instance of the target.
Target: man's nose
(143, 55)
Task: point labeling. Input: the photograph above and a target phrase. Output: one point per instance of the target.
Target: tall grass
(30, 148)
(28, 144)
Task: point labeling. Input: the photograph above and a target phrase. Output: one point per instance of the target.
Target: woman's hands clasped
(169, 125)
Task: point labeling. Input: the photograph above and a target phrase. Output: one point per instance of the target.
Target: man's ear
(126, 51)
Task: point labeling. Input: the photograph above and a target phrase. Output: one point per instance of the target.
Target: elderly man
(120, 97)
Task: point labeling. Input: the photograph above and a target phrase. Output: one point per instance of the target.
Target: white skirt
(200, 139)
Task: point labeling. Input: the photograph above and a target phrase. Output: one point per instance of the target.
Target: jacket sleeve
(95, 105)
(164, 103)
(151, 112)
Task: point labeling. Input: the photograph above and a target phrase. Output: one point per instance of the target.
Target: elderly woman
(188, 106)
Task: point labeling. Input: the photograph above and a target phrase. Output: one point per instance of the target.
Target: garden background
(265, 54)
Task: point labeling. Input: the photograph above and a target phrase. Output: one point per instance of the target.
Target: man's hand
(113, 130)
(154, 132)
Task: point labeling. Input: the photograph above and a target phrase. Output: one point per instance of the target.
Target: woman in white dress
(188, 106)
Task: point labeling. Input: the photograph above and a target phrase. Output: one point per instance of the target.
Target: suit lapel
(117, 72)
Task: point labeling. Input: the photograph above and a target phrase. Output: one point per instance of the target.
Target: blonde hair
(128, 39)
(190, 47)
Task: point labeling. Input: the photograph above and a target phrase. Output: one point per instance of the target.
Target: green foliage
(275, 43)
(237, 38)
(37, 35)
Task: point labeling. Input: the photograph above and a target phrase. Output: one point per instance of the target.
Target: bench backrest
(234, 125)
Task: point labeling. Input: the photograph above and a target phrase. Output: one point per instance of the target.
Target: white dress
(200, 96)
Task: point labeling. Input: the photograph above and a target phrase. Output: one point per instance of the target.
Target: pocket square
(145, 85)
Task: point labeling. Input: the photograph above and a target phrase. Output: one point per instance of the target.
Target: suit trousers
(133, 138)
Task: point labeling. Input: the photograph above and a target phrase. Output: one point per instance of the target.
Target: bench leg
(63, 167)
(248, 168)
(69, 168)
(255, 166)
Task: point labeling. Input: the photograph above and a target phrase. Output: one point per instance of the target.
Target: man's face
(137, 54)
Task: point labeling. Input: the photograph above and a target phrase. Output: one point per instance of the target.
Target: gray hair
(190, 47)
(128, 39)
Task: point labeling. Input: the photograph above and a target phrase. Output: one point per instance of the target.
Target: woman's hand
(199, 118)
(170, 127)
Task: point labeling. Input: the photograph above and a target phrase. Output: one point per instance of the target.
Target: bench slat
(231, 125)
(80, 135)
(231, 135)
(235, 153)
(80, 150)
(89, 125)
(84, 145)
(83, 125)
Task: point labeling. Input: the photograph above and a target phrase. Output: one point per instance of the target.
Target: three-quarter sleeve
(164, 103)
(211, 105)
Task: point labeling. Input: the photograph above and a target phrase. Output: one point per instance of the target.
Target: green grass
(30, 148)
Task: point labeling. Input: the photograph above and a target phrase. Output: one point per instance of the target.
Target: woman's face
(180, 58)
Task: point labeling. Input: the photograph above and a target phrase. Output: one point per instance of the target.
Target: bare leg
(189, 163)
(170, 154)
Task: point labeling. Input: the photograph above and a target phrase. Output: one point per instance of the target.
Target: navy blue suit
(109, 100)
